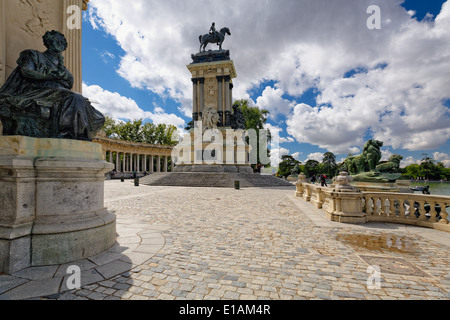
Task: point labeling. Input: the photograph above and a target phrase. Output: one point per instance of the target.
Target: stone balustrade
(349, 205)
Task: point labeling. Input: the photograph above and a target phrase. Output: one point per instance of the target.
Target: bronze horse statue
(218, 37)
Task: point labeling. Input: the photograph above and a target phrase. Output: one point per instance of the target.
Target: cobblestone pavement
(248, 244)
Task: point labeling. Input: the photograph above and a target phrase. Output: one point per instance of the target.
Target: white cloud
(276, 154)
(409, 161)
(316, 156)
(296, 155)
(120, 107)
(442, 157)
(286, 140)
(272, 100)
(299, 45)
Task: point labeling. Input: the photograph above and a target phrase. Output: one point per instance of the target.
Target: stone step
(215, 180)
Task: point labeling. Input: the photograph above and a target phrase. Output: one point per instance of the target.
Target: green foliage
(255, 118)
(136, 131)
(287, 165)
(312, 167)
(329, 164)
(428, 169)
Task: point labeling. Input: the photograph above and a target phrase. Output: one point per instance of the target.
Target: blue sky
(329, 82)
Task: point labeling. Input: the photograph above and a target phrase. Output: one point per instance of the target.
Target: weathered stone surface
(53, 207)
(33, 289)
(14, 254)
(53, 249)
(49, 148)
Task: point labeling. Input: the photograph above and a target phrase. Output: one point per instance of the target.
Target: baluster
(443, 213)
(412, 210)
(392, 212)
(369, 208)
(433, 212)
(421, 210)
(386, 206)
(406, 209)
(376, 207)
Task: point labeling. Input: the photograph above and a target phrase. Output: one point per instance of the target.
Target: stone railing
(343, 203)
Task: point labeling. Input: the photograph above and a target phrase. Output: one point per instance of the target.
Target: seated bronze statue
(37, 100)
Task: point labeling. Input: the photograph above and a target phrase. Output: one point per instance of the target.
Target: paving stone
(33, 289)
(37, 273)
(114, 268)
(9, 282)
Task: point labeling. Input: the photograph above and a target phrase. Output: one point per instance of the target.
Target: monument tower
(214, 116)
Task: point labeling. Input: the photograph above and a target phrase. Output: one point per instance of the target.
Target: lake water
(436, 188)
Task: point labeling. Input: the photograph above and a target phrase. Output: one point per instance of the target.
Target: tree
(255, 118)
(329, 163)
(426, 166)
(412, 171)
(285, 167)
(136, 131)
(311, 167)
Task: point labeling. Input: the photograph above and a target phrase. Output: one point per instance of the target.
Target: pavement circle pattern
(248, 244)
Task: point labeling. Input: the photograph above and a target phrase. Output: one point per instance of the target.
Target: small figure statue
(210, 119)
(37, 100)
(239, 118)
(213, 31)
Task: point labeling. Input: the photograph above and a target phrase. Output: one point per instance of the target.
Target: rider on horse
(213, 32)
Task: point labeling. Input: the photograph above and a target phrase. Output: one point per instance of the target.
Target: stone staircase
(213, 180)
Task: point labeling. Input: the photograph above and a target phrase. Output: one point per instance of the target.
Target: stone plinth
(226, 152)
(347, 208)
(51, 202)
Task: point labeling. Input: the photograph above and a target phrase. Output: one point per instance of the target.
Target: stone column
(227, 94)
(201, 94)
(152, 165)
(220, 102)
(227, 101)
(145, 163)
(166, 164)
(138, 163)
(231, 95)
(195, 99)
(158, 163)
(73, 36)
(117, 162)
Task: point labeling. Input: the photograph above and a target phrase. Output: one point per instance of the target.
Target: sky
(332, 73)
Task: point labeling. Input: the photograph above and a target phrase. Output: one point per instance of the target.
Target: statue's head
(54, 40)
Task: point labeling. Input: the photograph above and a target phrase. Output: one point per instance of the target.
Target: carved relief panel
(211, 93)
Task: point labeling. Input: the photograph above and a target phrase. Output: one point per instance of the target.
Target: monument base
(52, 202)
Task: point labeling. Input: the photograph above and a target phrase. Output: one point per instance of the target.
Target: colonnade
(139, 163)
(132, 157)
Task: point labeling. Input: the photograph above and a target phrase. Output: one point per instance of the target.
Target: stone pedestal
(346, 205)
(52, 202)
(347, 208)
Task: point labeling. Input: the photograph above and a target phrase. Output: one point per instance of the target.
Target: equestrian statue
(214, 36)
